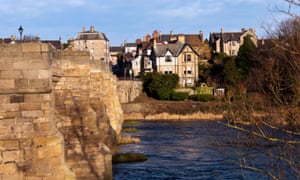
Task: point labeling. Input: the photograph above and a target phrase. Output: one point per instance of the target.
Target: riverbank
(145, 108)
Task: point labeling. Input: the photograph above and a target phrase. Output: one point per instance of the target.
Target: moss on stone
(128, 157)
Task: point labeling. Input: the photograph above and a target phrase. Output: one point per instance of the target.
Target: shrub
(158, 85)
(164, 93)
(202, 97)
(179, 96)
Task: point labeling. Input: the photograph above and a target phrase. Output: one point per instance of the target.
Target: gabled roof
(174, 48)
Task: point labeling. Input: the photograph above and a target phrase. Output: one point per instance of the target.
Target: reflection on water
(187, 150)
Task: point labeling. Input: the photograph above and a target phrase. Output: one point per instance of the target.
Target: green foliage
(205, 90)
(159, 86)
(202, 97)
(246, 57)
(179, 96)
(231, 73)
(164, 93)
(221, 55)
(130, 122)
(129, 130)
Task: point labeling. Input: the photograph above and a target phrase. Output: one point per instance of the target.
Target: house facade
(230, 42)
(93, 41)
(177, 58)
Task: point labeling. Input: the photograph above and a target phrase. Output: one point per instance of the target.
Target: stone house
(173, 53)
(230, 42)
(93, 41)
(178, 58)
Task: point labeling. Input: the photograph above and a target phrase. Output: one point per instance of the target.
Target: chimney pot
(92, 29)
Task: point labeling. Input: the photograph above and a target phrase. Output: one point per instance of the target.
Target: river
(198, 150)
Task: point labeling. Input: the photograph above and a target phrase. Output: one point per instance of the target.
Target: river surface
(197, 150)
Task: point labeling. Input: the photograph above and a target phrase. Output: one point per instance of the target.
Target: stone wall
(89, 115)
(129, 90)
(30, 145)
(58, 118)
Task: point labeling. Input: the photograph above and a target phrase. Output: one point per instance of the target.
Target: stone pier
(58, 118)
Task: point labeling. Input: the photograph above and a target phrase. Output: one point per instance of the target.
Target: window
(168, 71)
(188, 71)
(233, 52)
(168, 58)
(187, 57)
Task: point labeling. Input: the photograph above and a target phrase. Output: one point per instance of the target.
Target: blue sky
(131, 19)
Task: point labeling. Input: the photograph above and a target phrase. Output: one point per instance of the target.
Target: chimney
(83, 29)
(155, 34)
(201, 35)
(92, 29)
(181, 38)
(222, 30)
(138, 41)
(147, 38)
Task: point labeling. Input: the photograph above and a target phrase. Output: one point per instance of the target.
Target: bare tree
(274, 123)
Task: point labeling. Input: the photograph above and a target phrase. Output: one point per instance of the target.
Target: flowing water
(195, 150)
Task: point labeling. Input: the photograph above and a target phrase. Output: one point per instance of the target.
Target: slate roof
(227, 36)
(89, 35)
(174, 48)
(115, 48)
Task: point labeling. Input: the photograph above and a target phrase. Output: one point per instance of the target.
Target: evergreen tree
(246, 57)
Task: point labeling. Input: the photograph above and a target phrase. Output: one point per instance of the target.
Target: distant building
(171, 54)
(230, 42)
(93, 41)
(180, 59)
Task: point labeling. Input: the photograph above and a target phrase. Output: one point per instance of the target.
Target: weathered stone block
(33, 65)
(7, 84)
(38, 83)
(9, 144)
(9, 107)
(13, 155)
(30, 106)
(8, 168)
(9, 115)
(4, 99)
(10, 74)
(22, 83)
(45, 126)
(6, 65)
(32, 114)
(24, 128)
(7, 122)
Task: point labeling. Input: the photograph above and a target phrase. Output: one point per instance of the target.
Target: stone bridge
(59, 115)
